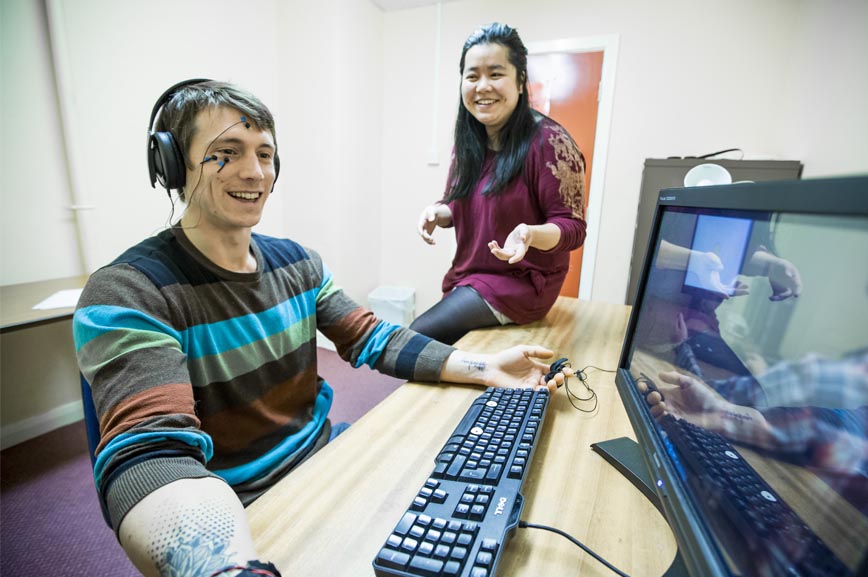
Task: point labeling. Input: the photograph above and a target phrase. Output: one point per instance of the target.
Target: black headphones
(165, 158)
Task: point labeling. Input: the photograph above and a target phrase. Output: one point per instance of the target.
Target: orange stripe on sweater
(169, 399)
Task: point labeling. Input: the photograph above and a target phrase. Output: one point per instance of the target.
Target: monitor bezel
(829, 196)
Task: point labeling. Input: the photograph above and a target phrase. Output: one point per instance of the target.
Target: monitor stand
(624, 454)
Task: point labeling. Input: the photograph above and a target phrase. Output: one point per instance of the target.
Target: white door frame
(608, 44)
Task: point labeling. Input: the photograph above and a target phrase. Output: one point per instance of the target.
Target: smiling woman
(514, 195)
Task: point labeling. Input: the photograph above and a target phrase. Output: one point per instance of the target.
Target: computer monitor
(746, 354)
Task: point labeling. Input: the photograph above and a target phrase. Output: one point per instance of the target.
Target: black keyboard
(459, 521)
(773, 534)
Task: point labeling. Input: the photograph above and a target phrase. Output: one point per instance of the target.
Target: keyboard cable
(526, 525)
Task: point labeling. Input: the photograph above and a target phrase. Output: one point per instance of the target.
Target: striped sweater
(198, 371)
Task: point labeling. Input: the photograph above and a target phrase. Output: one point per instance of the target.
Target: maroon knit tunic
(551, 190)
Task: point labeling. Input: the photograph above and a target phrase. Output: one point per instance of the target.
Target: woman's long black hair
(471, 140)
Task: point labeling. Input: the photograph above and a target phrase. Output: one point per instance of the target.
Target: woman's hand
(524, 237)
(515, 246)
(432, 217)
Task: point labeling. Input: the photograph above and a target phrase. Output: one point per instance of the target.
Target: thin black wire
(585, 548)
(582, 375)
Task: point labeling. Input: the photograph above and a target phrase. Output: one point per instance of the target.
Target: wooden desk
(332, 515)
(17, 300)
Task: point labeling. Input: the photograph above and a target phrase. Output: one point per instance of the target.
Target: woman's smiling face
(490, 87)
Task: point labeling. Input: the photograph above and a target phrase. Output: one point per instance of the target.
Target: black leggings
(461, 311)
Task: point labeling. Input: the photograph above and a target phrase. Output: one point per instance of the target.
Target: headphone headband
(168, 94)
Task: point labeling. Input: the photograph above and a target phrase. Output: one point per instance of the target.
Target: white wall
(781, 78)
(37, 233)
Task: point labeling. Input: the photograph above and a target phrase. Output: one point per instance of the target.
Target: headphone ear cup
(165, 161)
(276, 171)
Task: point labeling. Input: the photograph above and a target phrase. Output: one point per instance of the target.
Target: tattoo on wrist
(479, 366)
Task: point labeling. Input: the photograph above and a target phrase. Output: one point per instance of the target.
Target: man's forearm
(464, 367)
(188, 527)
(746, 425)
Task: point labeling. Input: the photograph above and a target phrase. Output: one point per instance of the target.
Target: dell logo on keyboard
(501, 505)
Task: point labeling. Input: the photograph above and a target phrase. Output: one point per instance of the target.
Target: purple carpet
(50, 520)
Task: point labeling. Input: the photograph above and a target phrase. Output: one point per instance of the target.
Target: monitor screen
(724, 236)
(745, 375)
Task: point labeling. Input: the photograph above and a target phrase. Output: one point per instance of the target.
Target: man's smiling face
(229, 192)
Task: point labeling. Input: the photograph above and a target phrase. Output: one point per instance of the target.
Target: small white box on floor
(393, 304)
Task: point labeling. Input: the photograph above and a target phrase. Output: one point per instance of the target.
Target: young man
(200, 348)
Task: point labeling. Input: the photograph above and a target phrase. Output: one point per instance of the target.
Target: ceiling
(392, 5)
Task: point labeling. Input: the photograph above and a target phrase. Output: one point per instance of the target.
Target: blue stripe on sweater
(201, 340)
(219, 337)
(376, 344)
(193, 438)
(94, 321)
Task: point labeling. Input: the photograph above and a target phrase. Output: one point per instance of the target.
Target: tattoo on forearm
(475, 365)
(736, 416)
(193, 541)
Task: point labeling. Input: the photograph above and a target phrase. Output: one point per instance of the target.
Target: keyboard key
(426, 565)
(409, 545)
(394, 541)
(489, 545)
(458, 553)
(405, 523)
(392, 559)
(472, 475)
(442, 552)
(485, 559)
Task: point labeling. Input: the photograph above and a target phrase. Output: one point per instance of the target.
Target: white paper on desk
(60, 299)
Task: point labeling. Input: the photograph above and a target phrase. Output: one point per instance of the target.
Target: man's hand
(684, 397)
(516, 367)
(688, 398)
(432, 217)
